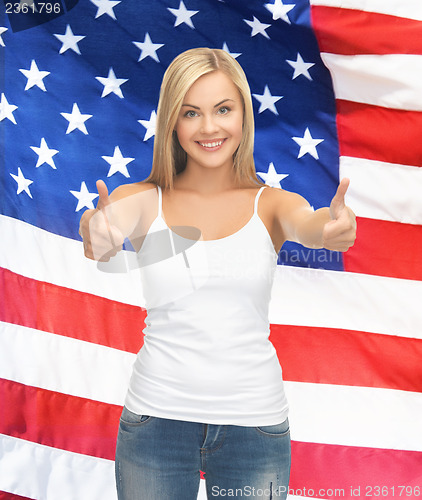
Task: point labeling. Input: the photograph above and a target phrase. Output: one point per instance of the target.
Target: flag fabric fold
(336, 88)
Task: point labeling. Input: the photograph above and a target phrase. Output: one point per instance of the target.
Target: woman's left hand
(339, 234)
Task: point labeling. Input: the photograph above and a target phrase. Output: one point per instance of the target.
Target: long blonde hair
(169, 158)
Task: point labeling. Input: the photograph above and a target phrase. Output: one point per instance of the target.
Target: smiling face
(210, 122)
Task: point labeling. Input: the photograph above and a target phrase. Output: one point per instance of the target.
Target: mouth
(211, 145)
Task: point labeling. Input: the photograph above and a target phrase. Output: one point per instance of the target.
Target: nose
(208, 124)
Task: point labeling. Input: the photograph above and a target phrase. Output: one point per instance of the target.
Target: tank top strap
(258, 194)
(160, 201)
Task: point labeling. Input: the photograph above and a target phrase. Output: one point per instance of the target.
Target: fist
(101, 239)
(339, 234)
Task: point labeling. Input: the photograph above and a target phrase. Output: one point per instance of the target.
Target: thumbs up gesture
(339, 234)
(101, 238)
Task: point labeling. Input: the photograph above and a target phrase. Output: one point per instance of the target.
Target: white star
(2, 30)
(6, 110)
(76, 120)
(35, 76)
(279, 10)
(69, 41)
(183, 15)
(45, 154)
(117, 163)
(271, 177)
(84, 197)
(148, 49)
(111, 84)
(301, 67)
(307, 144)
(105, 7)
(258, 28)
(23, 184)
(233, 54)
(267, 100)
(149, 125)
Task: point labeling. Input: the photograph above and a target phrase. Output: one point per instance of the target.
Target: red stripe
(4, 495)
(330, 356)
(377, 133)
(67, 312)
(328, 467)
(58, 420)
(350, 32)
(386, 248)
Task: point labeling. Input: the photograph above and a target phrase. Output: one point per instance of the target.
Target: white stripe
(411, 9)
(202, 493)
(300, 296)
(331, 299)
(355, 416)
(65, 365)
(44, 256)
(383, 191)
(391, 80)
(36, 471)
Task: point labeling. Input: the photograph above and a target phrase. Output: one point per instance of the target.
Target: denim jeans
(161, 459)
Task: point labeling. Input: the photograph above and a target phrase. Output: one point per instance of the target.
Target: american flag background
(337, 92)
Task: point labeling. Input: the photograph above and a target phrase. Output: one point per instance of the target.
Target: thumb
(103, 203)
(337, 203)
(103, 200)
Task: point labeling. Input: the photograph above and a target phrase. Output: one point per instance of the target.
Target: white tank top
(206, 355)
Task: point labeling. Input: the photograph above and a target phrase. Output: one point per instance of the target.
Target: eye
(190, 114)
(223, 110)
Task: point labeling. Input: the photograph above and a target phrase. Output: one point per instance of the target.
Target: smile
(211, 146)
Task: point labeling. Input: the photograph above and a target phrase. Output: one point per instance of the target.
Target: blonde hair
(169, 158)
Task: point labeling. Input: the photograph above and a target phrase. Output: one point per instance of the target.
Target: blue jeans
(161, 459)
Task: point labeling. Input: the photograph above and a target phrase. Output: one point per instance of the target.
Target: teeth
(211, 144)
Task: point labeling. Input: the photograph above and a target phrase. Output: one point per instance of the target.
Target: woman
(206, 391)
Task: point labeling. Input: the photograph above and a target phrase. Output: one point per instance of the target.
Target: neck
(207, 181)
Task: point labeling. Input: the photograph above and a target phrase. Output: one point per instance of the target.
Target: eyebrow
(218, 104)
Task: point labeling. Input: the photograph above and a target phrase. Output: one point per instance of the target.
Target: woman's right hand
(101, 238)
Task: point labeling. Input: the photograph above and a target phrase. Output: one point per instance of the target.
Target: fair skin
(209, 129)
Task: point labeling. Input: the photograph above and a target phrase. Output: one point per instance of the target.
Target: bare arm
(333, 227)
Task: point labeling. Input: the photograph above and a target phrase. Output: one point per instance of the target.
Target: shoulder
(126, 190)
(277, 201)
(131, 200)
(132, 203)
